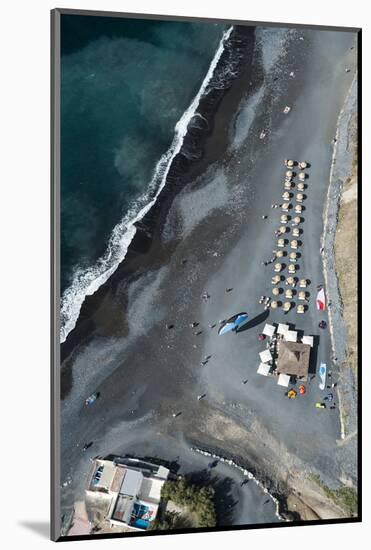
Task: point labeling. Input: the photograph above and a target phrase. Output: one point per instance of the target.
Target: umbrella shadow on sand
(254, 322)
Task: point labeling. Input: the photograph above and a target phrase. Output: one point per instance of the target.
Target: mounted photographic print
(205, 369)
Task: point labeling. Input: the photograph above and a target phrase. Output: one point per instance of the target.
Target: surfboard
(322, 374)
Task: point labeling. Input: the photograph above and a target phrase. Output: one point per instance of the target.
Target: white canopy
(266, 355)
(308, 340)
(263, 369)
(291, 336)
(282, 328)
(269, 330)
(283, 380)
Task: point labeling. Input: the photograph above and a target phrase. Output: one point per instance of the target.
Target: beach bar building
(131, 489)
(293, 359)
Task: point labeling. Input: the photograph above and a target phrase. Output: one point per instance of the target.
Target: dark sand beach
(206, 235)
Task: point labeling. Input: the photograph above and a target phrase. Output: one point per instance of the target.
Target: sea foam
(86, 282)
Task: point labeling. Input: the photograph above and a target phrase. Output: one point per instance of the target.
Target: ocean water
(126, 88)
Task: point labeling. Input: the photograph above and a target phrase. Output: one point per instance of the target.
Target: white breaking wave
(87, 281)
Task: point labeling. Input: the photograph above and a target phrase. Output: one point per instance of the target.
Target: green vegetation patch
(194, 500)
(345, 497)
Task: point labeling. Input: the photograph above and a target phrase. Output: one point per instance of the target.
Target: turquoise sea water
(124, 85)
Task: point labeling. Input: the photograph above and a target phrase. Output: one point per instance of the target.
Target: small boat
(90, 400)
(322, 374)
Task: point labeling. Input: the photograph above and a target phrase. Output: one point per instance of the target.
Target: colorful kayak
(233, 323)
(320, 300)
(322, 374)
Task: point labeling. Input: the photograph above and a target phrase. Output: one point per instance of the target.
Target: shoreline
(146, 250)
(186, 151)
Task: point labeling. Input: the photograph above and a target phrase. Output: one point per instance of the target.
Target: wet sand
(146, 372)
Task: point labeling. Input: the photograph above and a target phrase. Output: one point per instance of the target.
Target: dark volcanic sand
(145, 372)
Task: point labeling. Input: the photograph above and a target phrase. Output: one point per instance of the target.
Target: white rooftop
(282, 328)
(263, 369)
(308, 340)
(291, 336)
(131, 483)
(283, 380)
(269, 330)
(265, 356)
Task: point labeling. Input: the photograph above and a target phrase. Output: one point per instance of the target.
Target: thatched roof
(293, 359)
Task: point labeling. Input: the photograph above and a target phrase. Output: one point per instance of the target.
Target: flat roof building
(133, 487)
